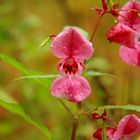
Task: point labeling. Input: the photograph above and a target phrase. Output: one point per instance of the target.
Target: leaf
(98, 64)
(18, 110)
(96, 73)
(82, 31)
(50, 76)
(125, 107)
(46, 42)
(6, 97)
(26, 71)
(15, 108)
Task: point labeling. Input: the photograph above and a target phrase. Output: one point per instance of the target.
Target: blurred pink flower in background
(73, 49)
(127, 33)
(127, 127)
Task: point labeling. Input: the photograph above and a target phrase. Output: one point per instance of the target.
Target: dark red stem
(75, 123)
(74, 129)
(96, 27)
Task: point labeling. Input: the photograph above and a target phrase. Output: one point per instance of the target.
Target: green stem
(66, 108)
(104, 131)
(111, 3)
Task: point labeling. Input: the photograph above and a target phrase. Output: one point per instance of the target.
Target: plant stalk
(96, 27)
(66, 108)
(76, 122)
(104, 131)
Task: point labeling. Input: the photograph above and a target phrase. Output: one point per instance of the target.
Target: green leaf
(46, 42)
(18, 110)
(82, 31)
(6, 97)
(96, 73)
(111, 3)
(26, 71)
(125, 107)
(50, 76)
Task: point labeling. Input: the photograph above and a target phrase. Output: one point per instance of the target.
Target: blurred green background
(23, 26)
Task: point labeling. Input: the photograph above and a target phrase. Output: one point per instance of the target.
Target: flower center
(70, 66)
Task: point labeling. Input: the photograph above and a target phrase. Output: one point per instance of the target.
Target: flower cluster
(127, 127)
(73, 49)
(127, 32)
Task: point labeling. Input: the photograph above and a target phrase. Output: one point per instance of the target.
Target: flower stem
(76, 122)
(104, 131)
(96, 27)
(66, 108)
(74, 129)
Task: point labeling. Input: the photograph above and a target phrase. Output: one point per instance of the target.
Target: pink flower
(127, 33)
(123, 34)
(129, 14)
(130, 55)
(71, 46)
(127, 127)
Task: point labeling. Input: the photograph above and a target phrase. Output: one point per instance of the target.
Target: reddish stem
(96, 27)
(74, 129)
(75, 123)
(104, 5)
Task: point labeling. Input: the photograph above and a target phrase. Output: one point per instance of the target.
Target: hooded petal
(129, 14)
(71, 43)
(109, 133)
(123, 35)
(74, 88)
(130, 55)
(127, 127)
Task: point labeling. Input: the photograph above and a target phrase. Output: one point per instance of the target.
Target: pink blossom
(71, 46)
(130, 55)
(74, 88)
(127, 33)
(71, 43)
(127, 127)
(122, 34)
(129, 14)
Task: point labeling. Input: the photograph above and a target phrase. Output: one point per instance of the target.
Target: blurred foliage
(23, 27)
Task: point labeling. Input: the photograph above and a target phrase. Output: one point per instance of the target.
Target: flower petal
(71, 43)
(130, 55)
(123, 35)
(127, 127)
(129, 14)
(109, 133)
(74, 88)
